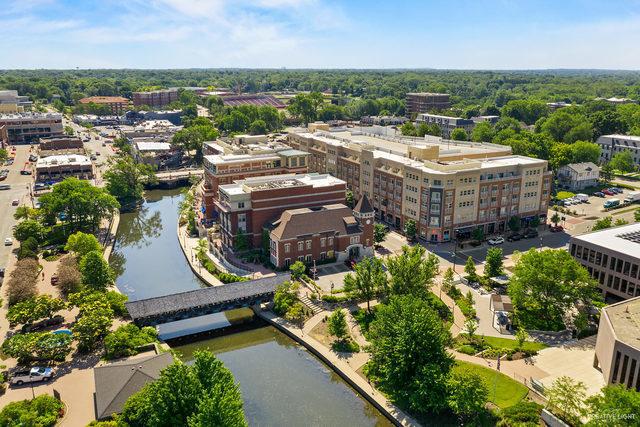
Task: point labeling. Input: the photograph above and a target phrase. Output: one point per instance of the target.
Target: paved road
(19, 190)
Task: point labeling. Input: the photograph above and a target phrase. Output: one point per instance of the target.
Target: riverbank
(189, 247)
(342, 368)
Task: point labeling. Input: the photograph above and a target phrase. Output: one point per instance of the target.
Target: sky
(454, 34)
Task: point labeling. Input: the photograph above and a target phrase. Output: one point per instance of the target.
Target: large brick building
(155, 98)
(117, 104)
(322, 234)
(448, 188)
(247, 205)
(421, 102)
(244, 157)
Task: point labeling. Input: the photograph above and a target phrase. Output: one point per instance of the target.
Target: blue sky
(464, 34)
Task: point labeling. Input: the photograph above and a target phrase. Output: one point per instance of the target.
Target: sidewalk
(458, 318)
(189, 246)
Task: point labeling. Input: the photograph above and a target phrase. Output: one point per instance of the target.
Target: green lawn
(564, 195)
(503, 391)
(496, 342)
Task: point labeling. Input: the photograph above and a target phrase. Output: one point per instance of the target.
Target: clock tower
(364, 214)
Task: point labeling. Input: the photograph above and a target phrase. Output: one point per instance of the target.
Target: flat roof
(614, 239)
(153, 146)
(248, 185)
(217, 159)
(625, 320)
(620, 136)
(63, 159)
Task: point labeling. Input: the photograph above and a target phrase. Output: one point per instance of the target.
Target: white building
(610, 145)
(63, 166)
(578, 176)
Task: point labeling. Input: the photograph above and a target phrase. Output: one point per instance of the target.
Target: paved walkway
(189, 247)
(458, 318)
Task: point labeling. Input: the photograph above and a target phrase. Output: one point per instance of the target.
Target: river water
(282, 383)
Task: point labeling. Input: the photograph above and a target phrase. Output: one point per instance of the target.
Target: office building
(247, 205)
(618, 344)
(578, 176)
(155, 98)
(63, 166)
(11, 102)
(117, 105)
(330, 233)
(423, 102)
(60, 145)
(447, 124)
(245, 156)
(610, 145)
(25, 128)
(447, 187)
(612, 257)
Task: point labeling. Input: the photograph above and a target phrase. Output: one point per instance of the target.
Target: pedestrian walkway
(458, 318)
(311, 305)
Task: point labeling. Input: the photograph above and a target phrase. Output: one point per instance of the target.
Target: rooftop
(272, 182)
(104, 100)
(251, 99)
(28, 116)
(63, 159)
(153, 146)
(622, 239)
(336, 218)
(583, 167)
(620, 136)
(625, 320)
(428, 93)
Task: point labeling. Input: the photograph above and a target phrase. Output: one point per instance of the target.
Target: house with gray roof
(578, 176)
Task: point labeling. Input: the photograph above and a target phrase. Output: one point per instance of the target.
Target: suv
(33, 375)
(530, 233)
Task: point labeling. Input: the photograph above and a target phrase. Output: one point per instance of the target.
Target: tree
(468, 394)
(555, 218)
(493, 262)
(447, 280)
(521, 337)
(337, 324)
(126, 179)
(95, 321)
(82, 243)
(96, 271)
(125, 340)
(622, 161)
(28, 228)
(585, 151)
(620, 221)
(459, 134)
(85, 298)
(471, 325)
(285, 296)
(546, 284)
(190, 138)
(482, 132)
(477, 234)
(534, 222)
(297, 270)
(410, 229)
(369, 280)
(22, 281)
(305, 106)
(470, 269)
(408, 355)
(80, 205)
(68, 130)
(566, 399)
(602, 223)
(412, 273)
(617, 405)
(258, 127)
(43, 411)
(349, 199)
(408, 129)
(69, 277)
(514, 224)
(295, 313)
(4, 155)
(43, 346)
(25, 212)
(379, 233)
(606, 172)
(198, 395)
(525, 110)
(33, 309)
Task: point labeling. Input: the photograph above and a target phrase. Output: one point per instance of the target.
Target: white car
(496, 241)
(8, 241)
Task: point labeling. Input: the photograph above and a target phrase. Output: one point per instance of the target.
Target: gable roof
(583, 167)
(305, 221)
(116, 382)
(363, 205)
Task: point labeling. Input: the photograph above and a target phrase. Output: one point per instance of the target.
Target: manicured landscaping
(493, 346)
(528, 346)
(503, 391)
(564, 195)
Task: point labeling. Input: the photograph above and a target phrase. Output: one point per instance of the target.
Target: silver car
(33, 375)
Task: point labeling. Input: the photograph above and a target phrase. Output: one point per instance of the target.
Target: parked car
(514, 237)
(598, 194)
(1, 271)
(15, 202)
(531, 233)
(25, 172)
(33, 375)
(8, 241)
(5, 187)
(608, 192)
(496, 241)
(33, 158)
(556, 228)
(40, 186)
(616, 190)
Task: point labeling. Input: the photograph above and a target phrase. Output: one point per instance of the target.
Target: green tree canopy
(126, 179)
(82, 243)
(411, 272)
(30, 310)
(468, 394)
(622, 161)
(493, 262)
(29, 228)
(369, 280)
(96, 271)
(459, 134)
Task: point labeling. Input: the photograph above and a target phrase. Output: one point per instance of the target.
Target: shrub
(345, 346)
(43, 411)
(69, 277)
(125, 340)
(44, 346)
(335, 298)
(466, 349)
(22, 283)
(444, 312)
(523, 414)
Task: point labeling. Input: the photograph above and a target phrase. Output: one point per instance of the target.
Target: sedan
(15, 202)
(8, 241)
(496, 241)
(608, 192)
(598, 194)
(514, 237)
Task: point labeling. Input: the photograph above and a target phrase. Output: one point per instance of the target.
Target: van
(583, 198)
(611, 203)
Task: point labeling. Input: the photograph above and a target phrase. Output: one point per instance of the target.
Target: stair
(312, 305)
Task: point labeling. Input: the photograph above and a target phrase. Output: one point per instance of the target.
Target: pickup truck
(32, 375)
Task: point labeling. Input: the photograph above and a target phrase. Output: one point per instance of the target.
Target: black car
(1, 271)
(530, 234)
(514, 237)
(25, 172)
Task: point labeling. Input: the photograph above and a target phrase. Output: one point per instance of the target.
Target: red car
(608, 192)
(556, 229)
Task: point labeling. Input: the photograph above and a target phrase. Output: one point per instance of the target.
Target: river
(282, 383)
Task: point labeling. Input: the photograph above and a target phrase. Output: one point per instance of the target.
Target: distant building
(578, 176)
(251, 99)
(321, 234)
(247, 205)
(610, 145)
(11, 102)
(618, 344)
(422, 102)
(173, 116)
(150, 152)
(612, 257)
(60, 145)
(553, 106)
(117, 104)
(489, 119)
(96, 120)
(116, 382)
(63, 166)
(447, 124)
(617, 101)
(382, 120)
(24, 128)
(155, 98)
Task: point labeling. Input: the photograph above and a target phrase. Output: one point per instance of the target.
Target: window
(323, 242)
(240, 205)
(308, 244)
(287, 248)
(330, 241)
(354, 239)
(300, 246)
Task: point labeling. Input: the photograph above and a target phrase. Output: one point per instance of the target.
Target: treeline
(467, 88)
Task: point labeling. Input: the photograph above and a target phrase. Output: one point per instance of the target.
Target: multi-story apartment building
(612, 257)
(610, 145)
(155, 98)
(247, 205)
(323, 234)
(617, 352)
(422, 102)
(447, 124)
(24, 128)
(116, 104)
(245, 156)
(448, 188)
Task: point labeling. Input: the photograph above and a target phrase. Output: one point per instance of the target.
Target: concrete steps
(312, 305)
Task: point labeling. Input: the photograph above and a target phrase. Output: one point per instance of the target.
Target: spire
(363, 206)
